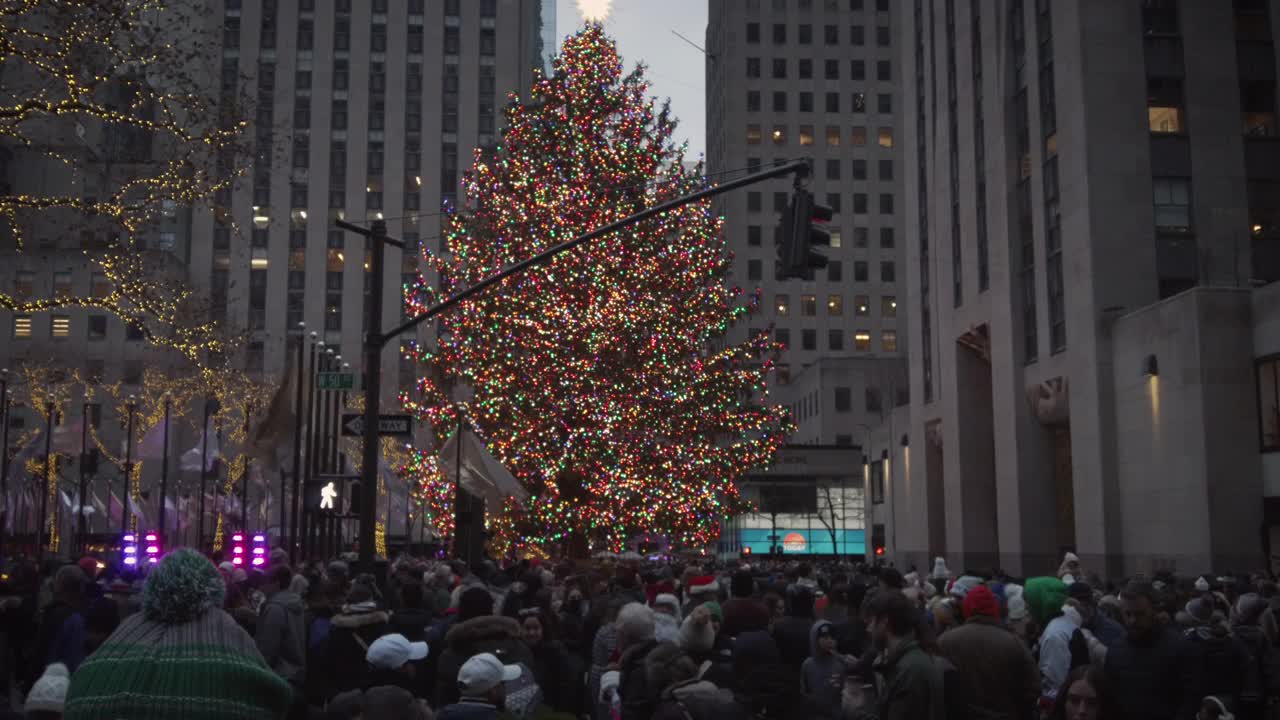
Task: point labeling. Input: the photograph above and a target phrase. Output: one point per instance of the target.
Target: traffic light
(799, 235)
(879, 551)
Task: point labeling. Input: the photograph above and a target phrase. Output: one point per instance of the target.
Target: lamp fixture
(1150, 367)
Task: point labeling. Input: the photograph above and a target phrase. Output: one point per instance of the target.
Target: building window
(833, 271)
(833, 166)
(857, 35)
(753, 270)
(809, 339)
(753, 32)
(862, 341)
(779, 135)
(754, 202)
(883, 73)
(1172, 197)
(871, 400)
(753, 67)
(857, 70)
(804, 34)
(60, 327)
(889, 340)
(1164, 105)
(779, 101)
(806, 100)
(885, 137)
(843, 399)
(1269, 402)
(859, 136)
(859, 169)
(97, 327)
(21, 327)
(1160, 17)
(887, 274)
(889, 306)
(835, 239)
(882, 36)
(835, 305)
(831, 34)
(779, 34)
(753, 235)
(886, 237)
(753, 134)
(859, 203)
(860, 235)
(806, 135)
(831, 69)
(859, 103)
(782, 336)
(833, 102)
(886, 203)
(833, 136)
(753, 105)
(861, 306)
(860, 273)
(781, 305)
(779, 202)
(833, 202)
(808, 305)
(779, 69)
(884, 103)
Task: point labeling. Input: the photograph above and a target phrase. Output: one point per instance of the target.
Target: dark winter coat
(1000, 677)
(494, 634)
(761, 679)
(639, 697)
(909, 687)
(1224, 661)
(554, 672)
(469, 710)
(351, 632)
(792, 636)
(281, 635)
(411, 623)
(1154, 678)
(744, 614)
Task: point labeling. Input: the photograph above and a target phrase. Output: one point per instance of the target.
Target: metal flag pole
(204, 473)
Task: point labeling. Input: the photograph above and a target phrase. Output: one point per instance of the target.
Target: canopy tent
(482, 475)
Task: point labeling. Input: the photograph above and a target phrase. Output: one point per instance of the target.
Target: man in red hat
(995, 665)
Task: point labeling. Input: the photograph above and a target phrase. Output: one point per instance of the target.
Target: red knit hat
(703, 584)
(981, 601)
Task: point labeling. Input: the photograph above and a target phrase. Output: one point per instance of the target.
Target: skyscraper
(1088, 204)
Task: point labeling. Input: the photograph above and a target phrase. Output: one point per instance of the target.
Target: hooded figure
(281, 635)
(1070, 567)
(822, 674)
(666, 618)
(181, 657)
(351, 633)
(1224, 662)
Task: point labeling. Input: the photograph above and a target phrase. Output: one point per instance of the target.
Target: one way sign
(353, 424)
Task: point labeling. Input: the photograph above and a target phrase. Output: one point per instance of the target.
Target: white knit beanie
(50, 691)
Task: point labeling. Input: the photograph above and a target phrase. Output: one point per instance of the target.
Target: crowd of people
(197, 637)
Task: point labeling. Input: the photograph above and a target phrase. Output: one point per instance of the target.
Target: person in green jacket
(908, 679)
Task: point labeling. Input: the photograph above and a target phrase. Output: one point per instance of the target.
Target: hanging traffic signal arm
(801, 231)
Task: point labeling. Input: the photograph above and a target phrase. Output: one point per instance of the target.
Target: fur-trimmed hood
(357, 620)
(484, 630)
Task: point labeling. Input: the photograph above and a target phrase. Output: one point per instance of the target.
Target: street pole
(204, 473)
(457, 491)
(84, 483)
(375, 339)
(132, 407)
(290, 513)
(311, 466)
(164, 470)
(44, 495)
(372, 398)
(244, 481)
(326, 449)
(4, 457)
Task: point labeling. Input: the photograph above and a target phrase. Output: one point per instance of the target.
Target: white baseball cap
(483, 672)
(393, 651)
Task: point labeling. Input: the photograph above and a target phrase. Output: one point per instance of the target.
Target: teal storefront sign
(815, 541)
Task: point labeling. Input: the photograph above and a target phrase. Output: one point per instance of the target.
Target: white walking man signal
(327, 494)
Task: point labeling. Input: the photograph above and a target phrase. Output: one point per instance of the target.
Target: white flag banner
(208, 448)
(481, 473)
(152, 445)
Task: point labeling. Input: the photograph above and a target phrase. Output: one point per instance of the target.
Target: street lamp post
(204, 472)
(244, 481)
(131, 407)
(287, 513)
(302, 517)
(164, 469)
(44, 495)
(84, 475)
(4, 455)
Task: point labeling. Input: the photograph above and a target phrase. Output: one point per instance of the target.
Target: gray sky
(642, 29)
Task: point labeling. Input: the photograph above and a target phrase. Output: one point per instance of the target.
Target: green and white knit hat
(181, 657)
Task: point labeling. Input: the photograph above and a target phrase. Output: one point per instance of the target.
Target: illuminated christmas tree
(595, 379)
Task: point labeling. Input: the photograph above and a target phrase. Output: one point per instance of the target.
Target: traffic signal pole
(376, 339)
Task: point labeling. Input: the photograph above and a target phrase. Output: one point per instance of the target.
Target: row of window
(830, 34)
(60, 327)
(807, 5)
(755, 204)
(24, 284)
(804, 69)
(857, 136)
(835, 340)
(831, 100)
(835, 304)
(861, 239)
